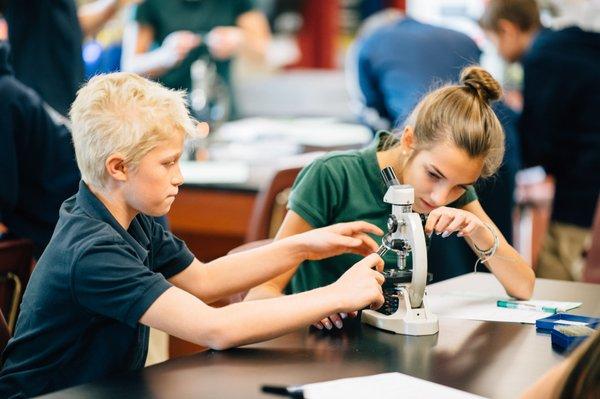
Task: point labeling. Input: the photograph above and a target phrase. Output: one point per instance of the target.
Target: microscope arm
(416, 239)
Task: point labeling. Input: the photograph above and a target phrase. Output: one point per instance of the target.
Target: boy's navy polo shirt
(79, 318)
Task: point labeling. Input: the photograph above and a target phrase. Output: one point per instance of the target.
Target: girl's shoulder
(339, 164)
(339, 157)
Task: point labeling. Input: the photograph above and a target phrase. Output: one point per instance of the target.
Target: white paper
(210, 172)
(383, 386)
(478, 307)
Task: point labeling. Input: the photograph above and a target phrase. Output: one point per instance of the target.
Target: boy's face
(152, 186)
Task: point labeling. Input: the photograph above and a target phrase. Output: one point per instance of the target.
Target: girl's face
(440, 175)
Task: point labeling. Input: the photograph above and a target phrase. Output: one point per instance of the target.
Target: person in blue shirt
(37, 161)
(397, 63)
(110, 271)
(559, 125)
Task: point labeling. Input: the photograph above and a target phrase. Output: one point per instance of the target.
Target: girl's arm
(292, 224)
(515, 275)
(509, 267)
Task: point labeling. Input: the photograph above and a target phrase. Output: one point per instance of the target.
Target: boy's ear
(202, 129)
(116, 167)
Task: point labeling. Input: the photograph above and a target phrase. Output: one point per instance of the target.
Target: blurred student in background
(185, 31)
(559, 126)
(396, 63)
(37, 160)
(46, 38)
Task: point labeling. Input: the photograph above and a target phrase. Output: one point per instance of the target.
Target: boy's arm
(238, 272)
(181, 314)
(292, 224)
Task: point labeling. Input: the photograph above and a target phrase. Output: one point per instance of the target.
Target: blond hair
(124, 113)
(462, 115)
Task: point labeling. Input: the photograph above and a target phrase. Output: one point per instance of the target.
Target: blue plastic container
(562, 342)
(546, 325)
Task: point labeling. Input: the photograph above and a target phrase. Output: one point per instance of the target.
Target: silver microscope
(405, 310)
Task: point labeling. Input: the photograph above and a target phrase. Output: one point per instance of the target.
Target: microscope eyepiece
(389, 177)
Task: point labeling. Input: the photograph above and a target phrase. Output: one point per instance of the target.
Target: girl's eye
(432, 175)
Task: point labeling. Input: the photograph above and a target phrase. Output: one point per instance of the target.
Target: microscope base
(405, 320)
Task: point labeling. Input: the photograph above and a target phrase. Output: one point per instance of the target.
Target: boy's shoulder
(79, 231)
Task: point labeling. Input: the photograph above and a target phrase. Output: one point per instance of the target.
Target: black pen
(293, 391)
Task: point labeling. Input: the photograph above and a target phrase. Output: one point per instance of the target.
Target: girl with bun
(451, 139)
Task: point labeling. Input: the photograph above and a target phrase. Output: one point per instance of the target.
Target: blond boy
(110, 271)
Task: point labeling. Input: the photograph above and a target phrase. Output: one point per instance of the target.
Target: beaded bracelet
(483, 256)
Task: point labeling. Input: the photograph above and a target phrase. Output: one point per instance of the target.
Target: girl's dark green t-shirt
(343, 186)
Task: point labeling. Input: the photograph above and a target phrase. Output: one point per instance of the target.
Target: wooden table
(496, 360)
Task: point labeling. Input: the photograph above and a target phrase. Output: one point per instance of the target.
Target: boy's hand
(360, 286)
(338, 239)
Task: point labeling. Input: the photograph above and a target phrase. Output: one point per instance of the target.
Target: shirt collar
(535, 39)
(92, 206)
(372, 168)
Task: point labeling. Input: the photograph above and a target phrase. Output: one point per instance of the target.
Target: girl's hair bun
(481, 83)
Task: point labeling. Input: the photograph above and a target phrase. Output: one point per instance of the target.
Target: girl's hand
(334, 320)
(337, 239)
(445, 221)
